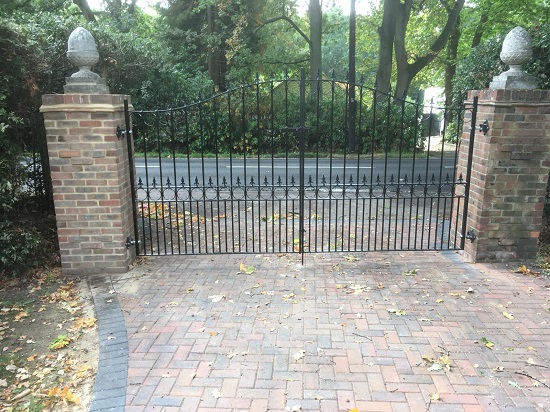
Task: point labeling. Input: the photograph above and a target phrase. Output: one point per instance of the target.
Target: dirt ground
(48, 343)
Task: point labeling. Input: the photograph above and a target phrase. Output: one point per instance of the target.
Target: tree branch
(287, 19)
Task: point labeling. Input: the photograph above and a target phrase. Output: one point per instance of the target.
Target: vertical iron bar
(302, 158)
(468, 173)
(129, 141)
(189, 182)
(245, 182)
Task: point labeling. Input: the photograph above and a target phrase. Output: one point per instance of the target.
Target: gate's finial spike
(168, 183)
(279, 181)
(364, 179)
(350, 179)
(238, 181)
(419, 178)
(337, 180)
(196, 181)
(154, 183)
(252, 181)
(377, 180)
(140, 183)
(182, 182)
(210, 182)
(266, 183)
(224, 182)
(447, 178)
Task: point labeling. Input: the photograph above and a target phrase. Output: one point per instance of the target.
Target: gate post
(511, 155)
(89, 168)
(509, 173)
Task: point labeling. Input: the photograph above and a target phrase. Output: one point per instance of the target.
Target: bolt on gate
(270, 167)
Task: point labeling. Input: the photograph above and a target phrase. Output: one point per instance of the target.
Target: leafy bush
(19, 249)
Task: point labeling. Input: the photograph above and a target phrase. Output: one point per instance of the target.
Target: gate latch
(484, 127)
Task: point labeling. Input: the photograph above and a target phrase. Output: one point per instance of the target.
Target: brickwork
(91, 184)
(509, 173)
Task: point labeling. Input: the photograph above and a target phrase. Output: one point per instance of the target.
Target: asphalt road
(202, 170)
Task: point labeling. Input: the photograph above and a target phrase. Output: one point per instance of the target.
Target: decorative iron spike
(196, 181)
(378, 180)
(447, 178)
(224, 182)
(279, 181)
(406, 179)
(337, 180)
(350, 179)
(257, 78)
(392, 179)
(168, 184)
(140, 183)
(238, 181)
(433, 178)
(154, 183)
(310, 181)
(292, 181)
(323, 180)
(419, 180)
(210, 182)
(252, 181)
(333, 75)
(266, 183)
(364, 181)
(460, 179)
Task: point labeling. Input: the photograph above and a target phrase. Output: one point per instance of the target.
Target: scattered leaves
(216, 298)
(526, 271)
(65, 394)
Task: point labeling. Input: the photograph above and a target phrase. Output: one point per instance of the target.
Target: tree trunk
(315, 35)
(450, 69)
(215, 54)
(85, 9)
(407, 71)
(386, 32)
(479, 29)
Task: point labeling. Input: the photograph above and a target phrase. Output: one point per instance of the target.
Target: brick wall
(509, 173)
(91, 184)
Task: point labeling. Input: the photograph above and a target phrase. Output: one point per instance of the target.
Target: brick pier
(91, 181)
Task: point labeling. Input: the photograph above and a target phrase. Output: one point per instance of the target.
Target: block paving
(396, 331)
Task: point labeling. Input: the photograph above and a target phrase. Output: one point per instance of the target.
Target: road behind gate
(345, 332)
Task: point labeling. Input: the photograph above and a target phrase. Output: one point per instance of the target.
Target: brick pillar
(91, 181)
(509, 173)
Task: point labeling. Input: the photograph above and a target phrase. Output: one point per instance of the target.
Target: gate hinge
(471, 235)
(120, 131)
(130, 242)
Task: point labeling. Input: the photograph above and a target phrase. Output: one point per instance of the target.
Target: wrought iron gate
(273, 167)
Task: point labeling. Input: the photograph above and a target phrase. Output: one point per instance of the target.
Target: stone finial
(516, 50)
(82, 53)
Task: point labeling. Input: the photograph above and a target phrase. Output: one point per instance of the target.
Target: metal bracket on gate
(130, 242)
(471, 235)
(120, 131)
(484, 127)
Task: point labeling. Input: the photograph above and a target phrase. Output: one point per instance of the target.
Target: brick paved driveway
(342, 332)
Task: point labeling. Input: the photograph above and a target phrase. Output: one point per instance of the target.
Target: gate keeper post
(511, 156)
(89, 168)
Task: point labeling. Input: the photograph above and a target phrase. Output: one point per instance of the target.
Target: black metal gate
(273, 167)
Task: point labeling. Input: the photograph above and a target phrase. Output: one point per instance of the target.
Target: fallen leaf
(487, 343)
(507, 315)
(513, 384)
(216, 298)
(411, 272)
(246, 270)
(439, 301)
(531, 361)
(213, 333)
(84, 323)
(353, 410)
(435, 367)
(299, 355)
(351, 258)
(435, 397)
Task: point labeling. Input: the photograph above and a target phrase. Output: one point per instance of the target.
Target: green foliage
(476, 71)
(539, 66)
(19, 249)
